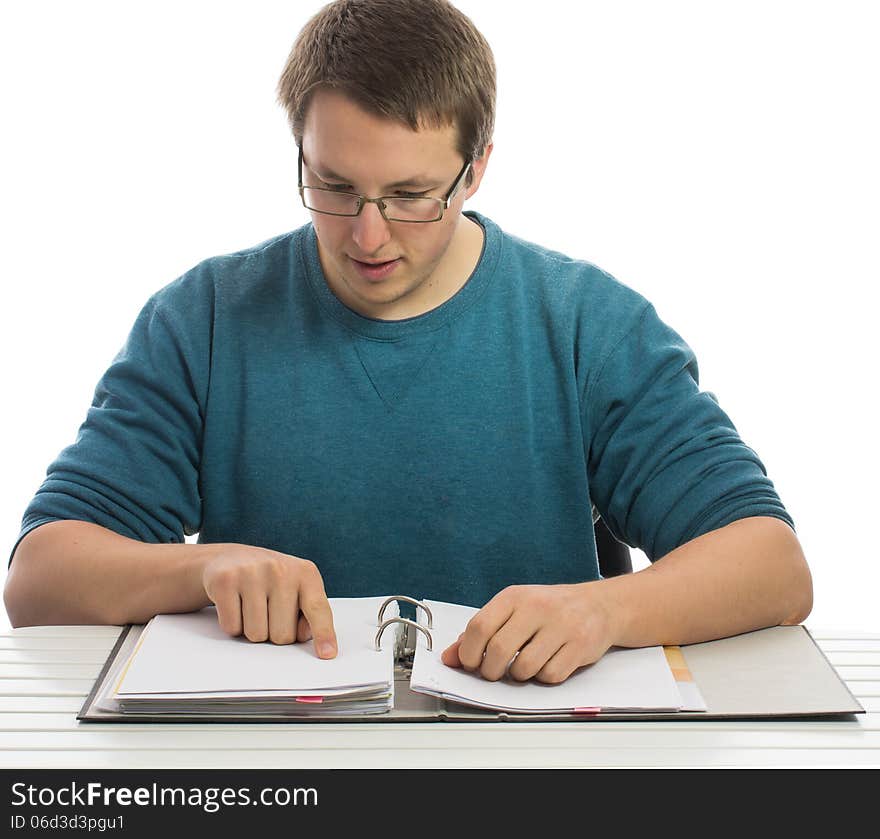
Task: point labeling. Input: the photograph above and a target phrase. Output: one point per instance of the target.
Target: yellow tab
(682, 674)
(675, 657)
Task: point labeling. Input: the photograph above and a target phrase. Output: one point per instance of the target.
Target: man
(400, 398)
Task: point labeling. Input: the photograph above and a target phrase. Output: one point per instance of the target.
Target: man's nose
(371, 231)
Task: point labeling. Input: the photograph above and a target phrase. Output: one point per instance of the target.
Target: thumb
(303, 630)
(449, 656)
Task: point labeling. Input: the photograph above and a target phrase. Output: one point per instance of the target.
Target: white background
(721, 158)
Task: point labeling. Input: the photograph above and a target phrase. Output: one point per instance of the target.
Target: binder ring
(408, 622)
(418, 603)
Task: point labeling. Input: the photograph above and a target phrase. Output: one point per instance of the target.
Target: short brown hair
(420, 62)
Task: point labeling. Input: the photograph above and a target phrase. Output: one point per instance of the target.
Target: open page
(187, 659)
(622, 680)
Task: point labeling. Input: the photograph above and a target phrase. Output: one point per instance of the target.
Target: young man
(401, 398)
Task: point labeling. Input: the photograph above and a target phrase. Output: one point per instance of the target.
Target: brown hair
(420, 62)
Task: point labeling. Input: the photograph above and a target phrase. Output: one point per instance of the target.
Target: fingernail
(325, 649)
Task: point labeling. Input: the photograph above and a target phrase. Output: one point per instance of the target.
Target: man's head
(392, 98)
(421, 63)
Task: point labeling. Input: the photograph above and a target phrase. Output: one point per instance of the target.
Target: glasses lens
(412, 209)
(327, 201)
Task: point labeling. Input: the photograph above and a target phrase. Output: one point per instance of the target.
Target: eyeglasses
(417, 210)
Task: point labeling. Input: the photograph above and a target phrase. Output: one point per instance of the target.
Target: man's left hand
(540, 632)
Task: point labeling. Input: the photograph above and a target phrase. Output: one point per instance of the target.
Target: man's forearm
(745, 576)
(72, 572)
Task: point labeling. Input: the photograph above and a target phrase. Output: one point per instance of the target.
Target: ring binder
(413, 601)
(168, 671)
(406, 621)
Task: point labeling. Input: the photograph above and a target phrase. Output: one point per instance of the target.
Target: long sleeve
(134, 466)
(666, 462)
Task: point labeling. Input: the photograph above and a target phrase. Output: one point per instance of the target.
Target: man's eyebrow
(422, 181)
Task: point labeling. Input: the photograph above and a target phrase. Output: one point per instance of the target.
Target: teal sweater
(447, 455)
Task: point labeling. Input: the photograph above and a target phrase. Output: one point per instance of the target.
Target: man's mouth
(375, 270)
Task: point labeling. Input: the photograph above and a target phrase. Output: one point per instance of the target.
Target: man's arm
(74, 572)
(745, 576)
(748, 575)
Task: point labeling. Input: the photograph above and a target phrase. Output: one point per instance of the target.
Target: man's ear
(478, 168)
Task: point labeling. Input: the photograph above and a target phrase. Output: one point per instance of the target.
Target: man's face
(424, 264)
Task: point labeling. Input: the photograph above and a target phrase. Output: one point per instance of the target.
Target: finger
(449, 656)
(481, 627)
(535, 654)
(283, 615)
(505, 644)
(560, 665)
(314, 605)
(303, 630)
(255, 615)
(228, 605)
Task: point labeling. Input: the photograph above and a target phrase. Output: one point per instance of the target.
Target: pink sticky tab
(312, 700)
(587, 710)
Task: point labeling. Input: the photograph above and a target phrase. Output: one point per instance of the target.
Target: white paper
(623, 679)
(191, 654)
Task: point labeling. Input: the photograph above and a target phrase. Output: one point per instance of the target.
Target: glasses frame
(380, 201)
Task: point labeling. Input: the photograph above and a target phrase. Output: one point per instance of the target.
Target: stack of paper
(186, 663)
(622, 680)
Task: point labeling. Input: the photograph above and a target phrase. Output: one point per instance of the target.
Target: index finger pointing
(316, 608)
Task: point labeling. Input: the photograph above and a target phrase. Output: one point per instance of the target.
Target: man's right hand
(267, 595)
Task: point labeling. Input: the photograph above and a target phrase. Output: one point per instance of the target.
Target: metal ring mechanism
(414, 602)
(406, 621)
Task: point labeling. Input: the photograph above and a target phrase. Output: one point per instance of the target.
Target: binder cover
(779, 672)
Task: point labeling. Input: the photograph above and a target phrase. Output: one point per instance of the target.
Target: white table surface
(46, 673)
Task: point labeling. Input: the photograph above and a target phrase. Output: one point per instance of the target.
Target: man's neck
(463, 261)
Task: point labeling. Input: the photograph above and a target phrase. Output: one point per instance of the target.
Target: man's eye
(337, 187)
(412, 194)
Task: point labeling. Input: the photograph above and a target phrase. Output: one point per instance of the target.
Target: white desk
(46, 673)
